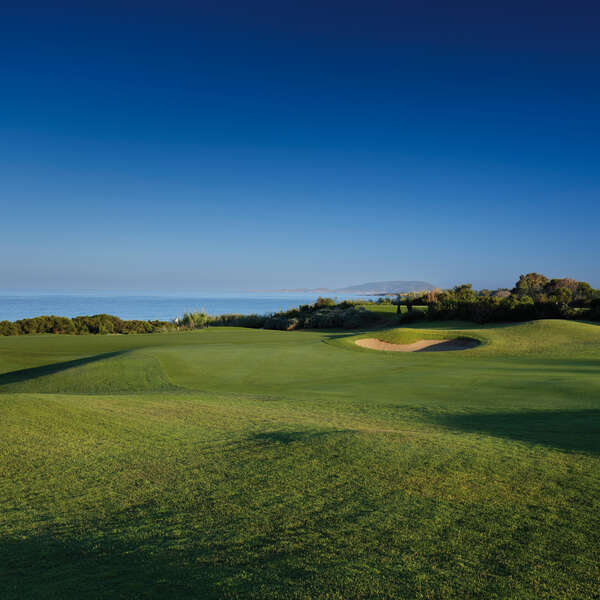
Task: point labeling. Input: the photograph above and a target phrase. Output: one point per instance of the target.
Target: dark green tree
(532, 284)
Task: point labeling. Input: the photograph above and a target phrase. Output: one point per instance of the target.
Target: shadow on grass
(23, 375)
(209, 565)
(462, 343)
(288, 437)
(569, 430)
(47, 566)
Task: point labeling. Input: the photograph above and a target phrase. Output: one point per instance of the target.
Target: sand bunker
(420, 346)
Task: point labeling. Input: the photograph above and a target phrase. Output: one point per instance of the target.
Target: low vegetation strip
(325, 313)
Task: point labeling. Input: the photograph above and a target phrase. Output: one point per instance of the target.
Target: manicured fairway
(232, 463)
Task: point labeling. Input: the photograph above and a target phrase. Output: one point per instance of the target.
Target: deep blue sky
(194, 146)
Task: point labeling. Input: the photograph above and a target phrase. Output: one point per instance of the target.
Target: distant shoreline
(372, 288)
(324, 291)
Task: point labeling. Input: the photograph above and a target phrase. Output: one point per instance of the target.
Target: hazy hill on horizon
(388, 287)
(373, 287)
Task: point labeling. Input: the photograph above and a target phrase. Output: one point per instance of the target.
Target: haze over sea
(149, 307)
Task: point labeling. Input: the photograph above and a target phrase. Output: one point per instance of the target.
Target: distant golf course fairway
(239, 463)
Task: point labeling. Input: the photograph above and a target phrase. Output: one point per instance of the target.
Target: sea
(14, 306)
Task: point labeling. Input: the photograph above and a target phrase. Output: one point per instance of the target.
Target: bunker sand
(419, 346)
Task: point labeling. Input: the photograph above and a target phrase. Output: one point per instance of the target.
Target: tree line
(534, 296)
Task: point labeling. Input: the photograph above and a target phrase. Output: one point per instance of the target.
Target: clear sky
(203, 145)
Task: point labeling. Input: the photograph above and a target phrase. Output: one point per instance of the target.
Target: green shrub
(340, 318)
(193, 320)
(324, 302)
(9, 328)
(283, 323)
(232, 320)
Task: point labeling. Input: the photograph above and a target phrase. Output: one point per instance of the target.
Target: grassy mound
(407, 335)
(110, 372)
(534, 338)
(232, 463)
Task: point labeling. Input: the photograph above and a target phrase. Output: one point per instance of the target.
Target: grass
(391, 310)
(385, 309)
(229, 463)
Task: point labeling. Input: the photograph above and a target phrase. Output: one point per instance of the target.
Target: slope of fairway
(110, 372)
(230, 463)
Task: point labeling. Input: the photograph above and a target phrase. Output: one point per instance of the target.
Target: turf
(233, 463)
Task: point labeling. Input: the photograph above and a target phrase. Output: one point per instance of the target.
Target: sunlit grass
(232, 463)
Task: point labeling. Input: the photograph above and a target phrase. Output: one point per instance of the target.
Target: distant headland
(371, 288)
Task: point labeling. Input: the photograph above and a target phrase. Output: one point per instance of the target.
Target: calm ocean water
(165, 308)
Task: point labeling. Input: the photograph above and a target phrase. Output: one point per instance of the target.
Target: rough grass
(233, 463)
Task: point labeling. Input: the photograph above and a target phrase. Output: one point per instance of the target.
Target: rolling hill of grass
(230, 463)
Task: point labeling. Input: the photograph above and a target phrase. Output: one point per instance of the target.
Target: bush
(283, 323)
(9, 328)
(340, 318)
(84, 325)
(193, 320)
(253, 321)
(324, 302)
